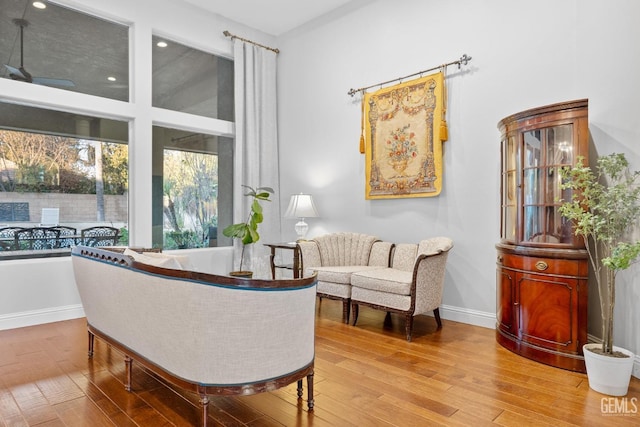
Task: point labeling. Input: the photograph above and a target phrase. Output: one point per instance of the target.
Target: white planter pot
(608, 375)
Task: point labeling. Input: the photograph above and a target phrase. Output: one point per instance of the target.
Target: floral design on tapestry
(403, 149)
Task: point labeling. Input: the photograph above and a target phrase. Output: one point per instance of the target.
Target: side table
(295, 266)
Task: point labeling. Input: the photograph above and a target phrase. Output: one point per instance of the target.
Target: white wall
(524, 56)
(37, 291)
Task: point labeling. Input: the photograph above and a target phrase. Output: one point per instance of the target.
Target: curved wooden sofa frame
(111, 260)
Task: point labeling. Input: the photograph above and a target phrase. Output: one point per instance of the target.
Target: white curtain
(256, 148)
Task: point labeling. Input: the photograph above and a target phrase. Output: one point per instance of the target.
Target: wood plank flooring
(366, 375)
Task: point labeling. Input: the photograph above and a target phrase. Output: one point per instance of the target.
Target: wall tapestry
(403, 139)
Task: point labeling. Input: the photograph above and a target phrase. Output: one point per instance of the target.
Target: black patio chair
(68, 236)
(99, 236)
(37, 238)
(8, 238)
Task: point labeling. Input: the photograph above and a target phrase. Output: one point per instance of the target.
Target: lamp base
(301, 229)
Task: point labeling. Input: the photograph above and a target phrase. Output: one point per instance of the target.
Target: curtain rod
(233, 36)
(464, 59)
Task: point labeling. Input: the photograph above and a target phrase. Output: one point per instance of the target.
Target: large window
(86, 141)
(61, 175)
(192, 171)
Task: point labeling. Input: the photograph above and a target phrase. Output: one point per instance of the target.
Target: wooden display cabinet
(542, 268)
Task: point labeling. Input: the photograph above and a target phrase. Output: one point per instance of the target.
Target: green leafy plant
(247, 232)
(604, 209)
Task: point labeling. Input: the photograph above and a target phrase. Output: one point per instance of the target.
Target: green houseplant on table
(605, 209)
(247, 232)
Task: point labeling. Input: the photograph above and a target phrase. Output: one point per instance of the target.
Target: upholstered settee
(209, 334)
(413, 285)
(335, 257)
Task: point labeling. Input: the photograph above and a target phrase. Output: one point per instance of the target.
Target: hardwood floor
(366, 375)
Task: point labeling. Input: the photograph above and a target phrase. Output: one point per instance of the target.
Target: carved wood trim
(125, 260)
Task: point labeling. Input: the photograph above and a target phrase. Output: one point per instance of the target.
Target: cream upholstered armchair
(336, 256)
(412, 286)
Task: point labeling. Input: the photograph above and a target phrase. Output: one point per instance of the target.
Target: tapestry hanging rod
(233, 36)
(464, 59)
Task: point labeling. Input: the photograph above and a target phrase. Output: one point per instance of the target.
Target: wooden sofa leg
(127, 364)
(299, 389)
(436, 314)
(387, 320)
(91, 342)
(409, 326)
(204, 402)
(310, 401)
(355, 310)
(345, 310)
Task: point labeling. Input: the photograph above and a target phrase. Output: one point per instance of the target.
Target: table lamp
(301, 206)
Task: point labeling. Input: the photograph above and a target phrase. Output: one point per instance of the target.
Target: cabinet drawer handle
(500, 259)
(541, 265)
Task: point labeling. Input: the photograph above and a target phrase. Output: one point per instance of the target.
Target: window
(192, 188)
(60, 170)
(65, 49)
(191, 81)
(192, 171)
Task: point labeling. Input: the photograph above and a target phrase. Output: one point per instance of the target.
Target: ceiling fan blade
(45, 81)
(15, 73)
(23, 75)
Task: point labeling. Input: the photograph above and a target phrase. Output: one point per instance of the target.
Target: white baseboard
(471, 317)
(37, 317)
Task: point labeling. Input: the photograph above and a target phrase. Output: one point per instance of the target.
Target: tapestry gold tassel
(444, 130)
(362, 127)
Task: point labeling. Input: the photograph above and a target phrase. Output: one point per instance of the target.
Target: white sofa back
(213, 330)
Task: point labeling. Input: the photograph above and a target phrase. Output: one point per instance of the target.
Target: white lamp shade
(301, 206)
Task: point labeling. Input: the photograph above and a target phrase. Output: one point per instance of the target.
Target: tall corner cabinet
(542, 268)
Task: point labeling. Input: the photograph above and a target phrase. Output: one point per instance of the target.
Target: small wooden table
(295, 266)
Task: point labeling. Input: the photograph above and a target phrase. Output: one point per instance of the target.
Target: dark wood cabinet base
(571, 362)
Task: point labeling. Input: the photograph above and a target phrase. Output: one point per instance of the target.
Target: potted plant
(604, 209)
(247, 232)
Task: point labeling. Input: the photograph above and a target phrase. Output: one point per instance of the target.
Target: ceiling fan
(23, 75)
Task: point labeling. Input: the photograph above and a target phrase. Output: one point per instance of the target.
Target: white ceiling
(274, 17)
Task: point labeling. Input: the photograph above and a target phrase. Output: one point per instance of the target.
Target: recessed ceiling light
(39, 5)
(111, 79)
(162, 44)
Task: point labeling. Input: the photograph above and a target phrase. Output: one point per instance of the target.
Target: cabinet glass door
(509, 185)
(546, 151)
